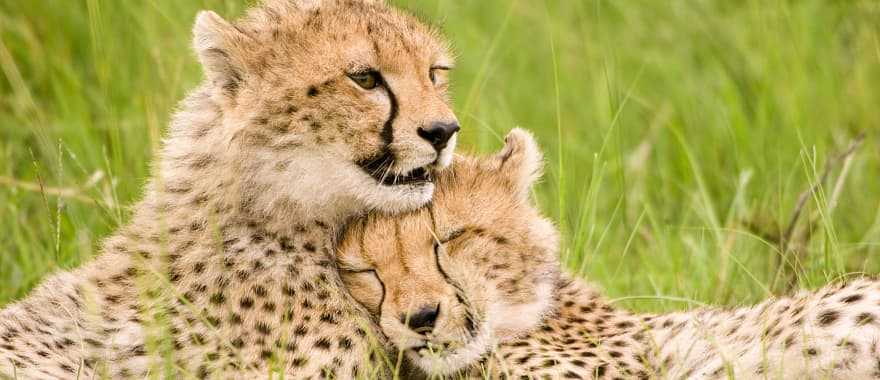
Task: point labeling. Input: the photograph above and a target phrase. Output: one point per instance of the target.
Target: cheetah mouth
(379, 168)
(447, 358)
(435, 349)
(413, 177)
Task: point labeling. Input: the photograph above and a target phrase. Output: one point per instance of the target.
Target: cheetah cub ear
(221, 49)
(520, 161)
(310, 5)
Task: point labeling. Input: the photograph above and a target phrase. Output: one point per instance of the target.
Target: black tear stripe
(376, 165)
(387, 133)
(470, 321)
(378, 316)
(382, 299)
(363, 248)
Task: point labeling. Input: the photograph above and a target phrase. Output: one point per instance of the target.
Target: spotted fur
(476, 252)
(831, 333)
(225, 269)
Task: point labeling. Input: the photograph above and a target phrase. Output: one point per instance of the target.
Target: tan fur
(495, 257)
(389, 265)
(225, 269)
(832, 333)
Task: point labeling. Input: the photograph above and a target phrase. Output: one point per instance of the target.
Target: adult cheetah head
(342, 101)
(449, 281)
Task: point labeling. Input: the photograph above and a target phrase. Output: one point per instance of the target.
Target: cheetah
(472, 287)
(436, 302)
(311, 112)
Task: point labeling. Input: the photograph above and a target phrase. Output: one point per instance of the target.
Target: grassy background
(679, 134)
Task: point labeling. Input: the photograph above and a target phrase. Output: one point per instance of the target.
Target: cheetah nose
(423, 319)
(439, 133)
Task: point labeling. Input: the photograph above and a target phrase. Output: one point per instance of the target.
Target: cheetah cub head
(479, 265)
(328, 103)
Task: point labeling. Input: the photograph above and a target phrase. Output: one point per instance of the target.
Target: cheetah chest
(269, 303)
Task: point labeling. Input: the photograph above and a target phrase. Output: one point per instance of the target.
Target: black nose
(423, 319)
(438, 134)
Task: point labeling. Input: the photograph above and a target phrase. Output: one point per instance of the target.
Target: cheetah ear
(520, 161)
(294, 5)
(220, 47)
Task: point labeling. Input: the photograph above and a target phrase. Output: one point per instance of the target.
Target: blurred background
(699, 152)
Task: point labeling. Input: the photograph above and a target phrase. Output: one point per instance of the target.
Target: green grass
(679, 135)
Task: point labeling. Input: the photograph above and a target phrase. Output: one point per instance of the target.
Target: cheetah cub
(311, 112)
(479, 265)
(471, 287)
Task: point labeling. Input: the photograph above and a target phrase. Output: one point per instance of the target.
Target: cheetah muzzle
(380, 169)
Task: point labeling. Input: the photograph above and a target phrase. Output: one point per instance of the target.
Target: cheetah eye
(435, 74)
(368, 80)
(365, 286)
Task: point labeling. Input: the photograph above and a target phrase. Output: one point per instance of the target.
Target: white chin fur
(399, 198)
(449, 364)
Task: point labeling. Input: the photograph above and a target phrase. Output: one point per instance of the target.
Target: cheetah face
(351, 93)
(447, 282)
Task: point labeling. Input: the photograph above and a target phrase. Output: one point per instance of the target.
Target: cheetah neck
(197, 186)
